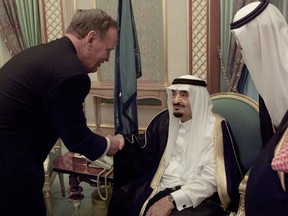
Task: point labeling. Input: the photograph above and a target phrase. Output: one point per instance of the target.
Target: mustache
(177, 104)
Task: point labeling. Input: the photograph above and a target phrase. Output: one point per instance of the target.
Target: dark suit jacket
(42, 90)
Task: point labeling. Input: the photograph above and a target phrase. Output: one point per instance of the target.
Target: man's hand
(162, 207)
(117, 143)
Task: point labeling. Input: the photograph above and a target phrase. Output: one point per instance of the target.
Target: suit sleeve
(64, 105)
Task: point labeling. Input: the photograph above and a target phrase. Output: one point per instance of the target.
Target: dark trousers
(20, 191)
(209, 207)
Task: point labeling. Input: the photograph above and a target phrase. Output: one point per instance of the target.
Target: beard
(178, 114)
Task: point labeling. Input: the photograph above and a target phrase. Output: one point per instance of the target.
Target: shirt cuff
(107, 147)
(181, 199)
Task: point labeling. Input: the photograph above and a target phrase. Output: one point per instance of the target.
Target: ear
(91, 36)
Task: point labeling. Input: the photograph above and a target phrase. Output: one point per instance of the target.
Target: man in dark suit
(42, 90)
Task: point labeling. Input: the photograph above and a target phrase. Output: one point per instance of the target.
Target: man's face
(99, 50)
(181, 105)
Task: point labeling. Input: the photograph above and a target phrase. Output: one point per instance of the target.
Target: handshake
(116, 144)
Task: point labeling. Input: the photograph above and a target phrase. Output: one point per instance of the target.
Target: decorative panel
(52, 23)
(150, 26)
(199, 38)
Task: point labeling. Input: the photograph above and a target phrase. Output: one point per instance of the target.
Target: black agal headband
(189, 82)
(244, 20)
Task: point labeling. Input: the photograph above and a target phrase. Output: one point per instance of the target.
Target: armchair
(50, 176)
(242, 113)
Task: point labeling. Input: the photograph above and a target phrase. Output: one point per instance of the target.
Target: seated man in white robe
(170, 169)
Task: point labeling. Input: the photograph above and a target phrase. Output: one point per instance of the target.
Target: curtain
(226, 15)
(28, 12)
(19, 27)
(235, 62)
(9, 27)
(5, 55)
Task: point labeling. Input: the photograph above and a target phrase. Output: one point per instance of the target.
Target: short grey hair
(84, 21)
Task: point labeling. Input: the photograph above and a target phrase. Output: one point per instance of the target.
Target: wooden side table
(79, 173)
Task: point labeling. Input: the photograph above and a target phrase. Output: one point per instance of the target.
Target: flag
(127, 70)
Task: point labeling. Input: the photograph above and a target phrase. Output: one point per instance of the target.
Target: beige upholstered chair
(242, 114)
(50, 176)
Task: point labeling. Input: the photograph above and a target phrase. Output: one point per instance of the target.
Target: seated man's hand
(117, 143)
(162, 207)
